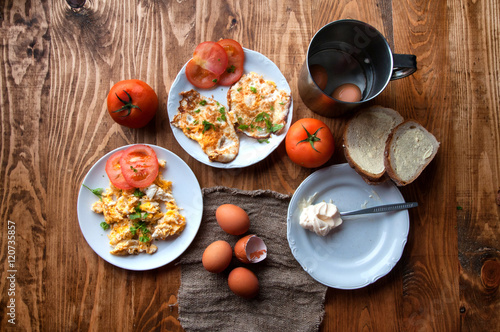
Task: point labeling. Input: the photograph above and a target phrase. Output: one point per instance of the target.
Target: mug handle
(403, 65)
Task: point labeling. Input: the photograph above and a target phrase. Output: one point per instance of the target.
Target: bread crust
(388, 156)
(368, 177)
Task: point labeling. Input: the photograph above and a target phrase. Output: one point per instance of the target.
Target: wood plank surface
(57, 66)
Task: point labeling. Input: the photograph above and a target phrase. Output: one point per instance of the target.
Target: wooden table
(58, 65)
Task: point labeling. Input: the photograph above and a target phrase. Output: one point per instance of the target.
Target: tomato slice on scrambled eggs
(137, 217)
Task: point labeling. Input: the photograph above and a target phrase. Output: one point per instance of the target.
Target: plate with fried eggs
(186, 191)
(251, 149)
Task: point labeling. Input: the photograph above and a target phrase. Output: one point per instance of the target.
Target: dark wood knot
(490, 274)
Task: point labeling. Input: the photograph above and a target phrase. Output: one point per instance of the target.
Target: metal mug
(354, 52)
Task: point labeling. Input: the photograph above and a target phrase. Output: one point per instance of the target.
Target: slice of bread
(365, 136)
(408, 150)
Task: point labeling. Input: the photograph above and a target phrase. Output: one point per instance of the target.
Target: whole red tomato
(309, 143)
(132, 103)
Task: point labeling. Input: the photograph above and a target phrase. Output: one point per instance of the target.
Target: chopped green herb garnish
(134, 169)
(214, 80)
(140, 226)
(144, 238)
(281, 103)
(138, 193)
(197, 111)
(203, 102)
(261, 117)
(97, 191)
(139, 214)
(135, 216)
(270, 127)
(239, 89)
(271, 108)
(243, 127)
(207, 126)
(263, 141)
(459, 208)
(275, 127)
(196, 122)
(222, 111)
(231, 69)
(104, 225)
(253, 89)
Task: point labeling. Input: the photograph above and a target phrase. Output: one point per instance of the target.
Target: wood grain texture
(475, 48)
(57, 66)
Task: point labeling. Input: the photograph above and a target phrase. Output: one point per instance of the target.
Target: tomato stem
(128, 106)
(311, 139)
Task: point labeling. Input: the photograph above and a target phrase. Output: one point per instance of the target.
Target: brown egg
(232, 219)
(347, 92)
(319, 75)
(250, 249)
(217, 256)
(243, 282)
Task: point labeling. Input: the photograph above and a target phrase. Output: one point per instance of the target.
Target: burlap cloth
(288, 300)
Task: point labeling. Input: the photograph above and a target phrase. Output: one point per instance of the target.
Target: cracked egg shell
(250, 249)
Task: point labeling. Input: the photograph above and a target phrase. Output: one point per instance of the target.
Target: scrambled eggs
(136, 217)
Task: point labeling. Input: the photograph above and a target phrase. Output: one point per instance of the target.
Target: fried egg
(205, 120)
(257, 107)
(138, 217)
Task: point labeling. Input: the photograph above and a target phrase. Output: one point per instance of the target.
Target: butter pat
(320, 218)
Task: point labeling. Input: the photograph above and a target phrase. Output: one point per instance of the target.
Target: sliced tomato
(199, 77)
(139, 165)
(114, 172)
(208, 63)
(211, 56)
(236, 60)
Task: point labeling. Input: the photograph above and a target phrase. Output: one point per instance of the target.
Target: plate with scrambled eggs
(251, 149)
(142, 228)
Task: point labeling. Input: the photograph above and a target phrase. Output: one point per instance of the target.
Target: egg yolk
(347, 92)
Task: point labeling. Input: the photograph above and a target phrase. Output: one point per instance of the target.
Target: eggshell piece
(243, 282)
(217, 256)
(232, 219)
(250, 249)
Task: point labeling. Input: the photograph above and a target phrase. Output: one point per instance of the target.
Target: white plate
(251, 151)
(363, 248)
(186, 191)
